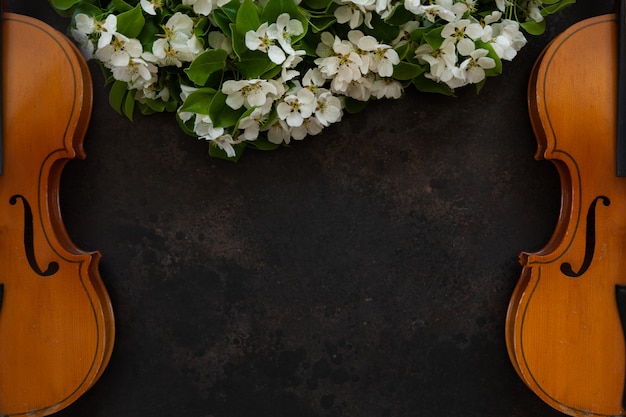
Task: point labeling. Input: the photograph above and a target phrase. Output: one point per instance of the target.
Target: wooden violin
(566, 318)
(56, 320)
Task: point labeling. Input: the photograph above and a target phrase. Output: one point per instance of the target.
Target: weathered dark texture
(365, 272)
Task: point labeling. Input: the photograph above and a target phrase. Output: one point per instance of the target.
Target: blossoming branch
(261, 73)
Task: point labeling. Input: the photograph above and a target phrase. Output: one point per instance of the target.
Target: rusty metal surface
(365, 272)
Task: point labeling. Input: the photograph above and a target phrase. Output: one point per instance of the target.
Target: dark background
(364, 272)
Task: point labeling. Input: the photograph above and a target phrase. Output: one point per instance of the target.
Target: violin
(566, 318)
(56, 319)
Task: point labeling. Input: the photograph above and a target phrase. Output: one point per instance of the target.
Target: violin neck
(621, 89)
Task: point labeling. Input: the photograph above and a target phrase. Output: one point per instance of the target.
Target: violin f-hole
(590, 240)
(29, 246)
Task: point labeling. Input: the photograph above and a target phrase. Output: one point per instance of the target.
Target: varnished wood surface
(564, 332)
(365, 272)
(56, 331)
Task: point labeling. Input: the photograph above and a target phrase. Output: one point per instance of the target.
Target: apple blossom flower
(119, 51)
(252, 123)
(151, 6)
(294, 108)
(204, 7)
(261, 40)
(179, 44)
(442, 61)
(328, 108)
(279, 132)
(203, 127)
(343, 66)
(534, 13)
(507, 39)
(310, 126)
(354, 14)
(463, 32)
(379, 58)
(93, 34)
(283, 30)
(248, 93)
(386, 88)
(476, 64)
(225, 142)
(137, 73)
(360, 89)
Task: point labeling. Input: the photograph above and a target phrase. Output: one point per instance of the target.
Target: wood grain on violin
(564, 333)
(56, 320)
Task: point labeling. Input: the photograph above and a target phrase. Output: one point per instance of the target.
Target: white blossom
(463, 32)
(261, 40)
(179, 44)
(294, 108)
(137, 73)
(476, 64)
(354, 14)
(251, 124)
(284, 30)
(507, 39)
(343, 67)
(328, 108)
(204, 7)
(386, 88)
(248, 93)
(360, 89)
(310, 126)
(119, 51)
(225, 142)
(203, 127)
(93, 34)
(279, 132)
(150, 6)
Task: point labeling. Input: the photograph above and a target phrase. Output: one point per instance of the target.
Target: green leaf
(382, 31)
(129, 105)
(121, 6)
(534, 28)
(149, 33)
(275, 8)
(230, 9)
(354, 106)
(427, 85)
(555, 6)
(117, 95)
(254, 63)
(407, 71)
(433, 37)
(131, 22)
(223, 22)
(399, 15)
(199, 101)
(319, 24)
(263, 144)
(150, 106)
(403, 49)
(317, 4)
(221, 114)
(62, 5)
(205, 64)
(247, 17)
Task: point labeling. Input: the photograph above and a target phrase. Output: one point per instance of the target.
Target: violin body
(563, 330)
(56, 320)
